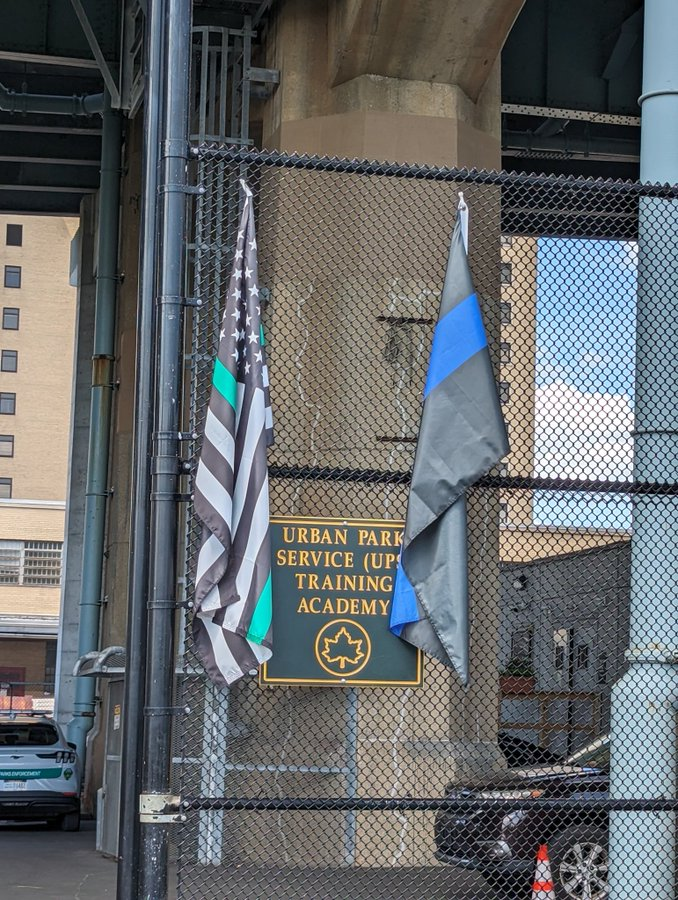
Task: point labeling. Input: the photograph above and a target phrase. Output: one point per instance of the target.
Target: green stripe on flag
(261, 619)
(225, 383)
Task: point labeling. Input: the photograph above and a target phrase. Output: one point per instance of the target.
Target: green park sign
(332, 581)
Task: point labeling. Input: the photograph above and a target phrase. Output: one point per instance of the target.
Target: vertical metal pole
(643, 721)
(245, 84)
(352, 773)
(100, 421)
(210, 845)
(165, 462)
(135, 663)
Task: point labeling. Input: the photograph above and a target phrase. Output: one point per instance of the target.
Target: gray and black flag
(462, 435)
(232, 621)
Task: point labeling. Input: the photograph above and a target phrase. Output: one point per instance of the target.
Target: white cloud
(582, 435)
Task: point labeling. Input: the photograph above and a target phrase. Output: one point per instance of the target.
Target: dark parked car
(502, 845)
(520, 753)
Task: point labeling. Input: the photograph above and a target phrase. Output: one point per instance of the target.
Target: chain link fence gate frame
(304, 792)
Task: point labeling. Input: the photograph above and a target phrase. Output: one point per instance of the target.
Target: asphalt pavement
(37, 862)
(54, 865)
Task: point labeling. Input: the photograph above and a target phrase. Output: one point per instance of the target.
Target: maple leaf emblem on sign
(342, 649)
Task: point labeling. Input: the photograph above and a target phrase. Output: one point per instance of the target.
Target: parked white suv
(39, 772)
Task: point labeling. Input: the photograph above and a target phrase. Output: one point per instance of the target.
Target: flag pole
(462, 211)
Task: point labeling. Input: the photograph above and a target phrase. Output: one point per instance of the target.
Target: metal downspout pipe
(135, 662)
(166, 466)
(643, 721)
(100, 421)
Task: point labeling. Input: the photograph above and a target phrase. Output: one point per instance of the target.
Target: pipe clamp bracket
(158, 809)
(175, 188)
(166, 710)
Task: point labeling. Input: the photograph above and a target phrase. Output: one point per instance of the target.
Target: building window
(6, 445)
(506, 274)
(582, 656)
(50, 664)
(601, 668)
(506, 240)
(505, 313)
(521, 644)
(505, 352)
(5, 488)
(9, 361)
(15, 235)
(10, 318)
(561, 642)
(30, 562)
(7, 403)
(13, 276)
(504, 392)
(10, 561)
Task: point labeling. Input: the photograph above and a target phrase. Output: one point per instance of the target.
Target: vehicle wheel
(579, 864)
(70, 822)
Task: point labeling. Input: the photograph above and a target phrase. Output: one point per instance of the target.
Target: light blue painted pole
(100, 421)
(350, 825)
(643, 727)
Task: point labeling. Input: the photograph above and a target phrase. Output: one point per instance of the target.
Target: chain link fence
(434, 790)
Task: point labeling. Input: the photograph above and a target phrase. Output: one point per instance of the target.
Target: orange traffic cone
(542, 887)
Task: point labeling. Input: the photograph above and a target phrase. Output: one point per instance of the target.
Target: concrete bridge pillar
(387, 79)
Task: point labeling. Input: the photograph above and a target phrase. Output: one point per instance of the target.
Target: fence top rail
(427, 804)
(277, 159)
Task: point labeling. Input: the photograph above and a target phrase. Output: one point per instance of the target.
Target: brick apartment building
(36, 367)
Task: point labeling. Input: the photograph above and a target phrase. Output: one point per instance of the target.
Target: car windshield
(595, 755)
(28, 734)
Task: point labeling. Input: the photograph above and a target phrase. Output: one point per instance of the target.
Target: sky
(584, 376)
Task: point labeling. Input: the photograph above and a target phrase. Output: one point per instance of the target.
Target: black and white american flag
(232, 620)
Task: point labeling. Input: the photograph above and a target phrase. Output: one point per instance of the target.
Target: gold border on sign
(264, 679)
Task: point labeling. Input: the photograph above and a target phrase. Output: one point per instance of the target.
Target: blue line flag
(461, 436)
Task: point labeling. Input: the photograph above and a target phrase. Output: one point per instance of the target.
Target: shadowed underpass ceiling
(570, 83)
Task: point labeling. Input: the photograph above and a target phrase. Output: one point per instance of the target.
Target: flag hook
(462, 210)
